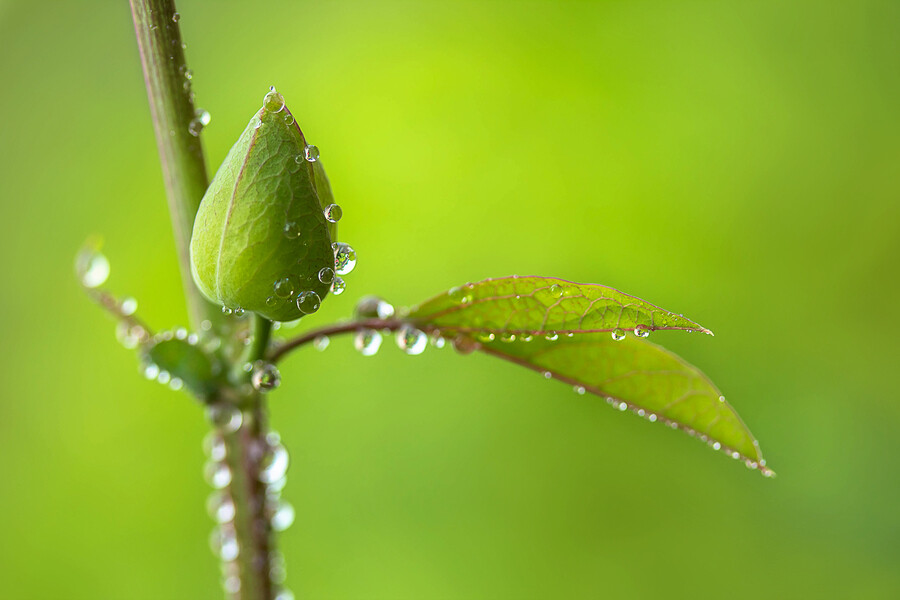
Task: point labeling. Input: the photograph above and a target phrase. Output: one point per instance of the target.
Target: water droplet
(223, 542)
(525, 337)
(464, 344)
(618, 334)
(311, 153)
(326, 274)
(272, 302)
(547, 375)
(437, 341)
(214, 446)
(151, 371)
(288, 118)
(285, 595)
(273, 102)
(265, 376)
(556, 290)
(652, 418)
(176, 17)
(181, 333)
(299, 159)
(195, 127)
(217, 474)
(344, 258)
(579, 389)
(333, 213)
(459, 295)
(188, 74)
(484, 336)
(722, 399)
(367, 341)
(164, 378)
(338, 286)
(642, 331)
(128, 306)
(321, 342)
(286, 286)
(623, 406)
(551, 337)
(226, 310)
(220, 507)
(274, 463)
(308, 302)
(292, 230)
(411, 340)
(283, 516)
(507, 337)
(239, 312)
(224, 417)
(202, 116)
(176, 384)
(92, 267)
(717, 446)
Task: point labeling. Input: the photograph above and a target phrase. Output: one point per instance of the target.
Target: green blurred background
(735, 161)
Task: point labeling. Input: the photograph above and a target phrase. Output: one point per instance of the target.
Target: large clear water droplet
(411, 340)
(641, 331)
(326, 275)
(308, 302)
(321, 342)
(344, 258)
(265, 377)
(286, 286)
(618, 334)
(333, 213)
(273, 102)
(367, 341)
(311, 153)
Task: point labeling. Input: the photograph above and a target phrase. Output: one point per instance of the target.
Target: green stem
(180, 152)
(184, 172)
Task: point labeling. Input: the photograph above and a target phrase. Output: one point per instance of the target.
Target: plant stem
(180, 152)
(184, 171)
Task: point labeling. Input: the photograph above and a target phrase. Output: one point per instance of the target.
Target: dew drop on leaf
(291, 230)
(641, 331)
(344, 258)
(220, 507)
(308, 302)
(326, 274)
(618, 334)
(274, 463)
(333, 213)
(311, 153)
(92, 267)
(283, 517)
(286, 286)
(217, 474)
(273, 101)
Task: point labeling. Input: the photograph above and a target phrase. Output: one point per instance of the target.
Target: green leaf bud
(261, 237)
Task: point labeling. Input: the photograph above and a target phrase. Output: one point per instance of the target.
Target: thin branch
(336, 329)
(113, 306)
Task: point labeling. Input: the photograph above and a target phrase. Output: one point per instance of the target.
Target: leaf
(576, 333)
(326, 196)
(200, 372)
(260, 237)
(541, 305)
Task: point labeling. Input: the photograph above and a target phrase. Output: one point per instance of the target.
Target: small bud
(260, 237)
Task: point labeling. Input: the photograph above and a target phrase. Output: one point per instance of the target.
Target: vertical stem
(186, 180)
(180, 152)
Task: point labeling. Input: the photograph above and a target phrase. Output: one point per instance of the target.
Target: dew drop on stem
(367, 341)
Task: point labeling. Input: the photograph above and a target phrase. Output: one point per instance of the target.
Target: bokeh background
(735, 161)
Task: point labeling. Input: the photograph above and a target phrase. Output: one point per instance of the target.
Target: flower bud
(261, 238)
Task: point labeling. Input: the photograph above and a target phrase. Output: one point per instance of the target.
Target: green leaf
(326, 196)
(199, 372)
(260, 237)
(541, 305)
(591, 337)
